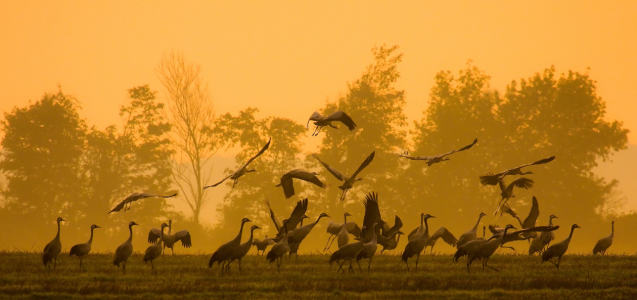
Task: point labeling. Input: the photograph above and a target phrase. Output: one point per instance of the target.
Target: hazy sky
(288, 57)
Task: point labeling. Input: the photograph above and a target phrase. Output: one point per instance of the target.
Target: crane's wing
(539, 162)
(532, 218)
(137, 196)
(218, 183)
(508, 210)
(495, 229)
(258, 154)
(184, 237)
(461, 149)
(353, 229)
(309, 177)
(334, 172)
(521, 183)
(274, 220)
(412, 233)
(118, 207)
(503, 187)
(297, 214)
(154, 235)
(372, 214)
(516, 234)
(288, 187)
(363, 165)
(316, 116)
(406, 155)
(398, 223)
(492, 179)
(445, 235)
(343, 118)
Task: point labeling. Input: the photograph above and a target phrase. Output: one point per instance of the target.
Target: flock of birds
(374, 231)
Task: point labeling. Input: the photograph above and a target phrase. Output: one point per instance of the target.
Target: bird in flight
(134, 197)
(320, 121)
(493, 179)
(243, 170)
(348, 182)
(437, 158)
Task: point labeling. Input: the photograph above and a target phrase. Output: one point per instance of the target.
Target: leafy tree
(43, 145)
(376, 106)
(540, 117)
(136, 159)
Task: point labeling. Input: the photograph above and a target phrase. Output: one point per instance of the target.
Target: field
(23, 276)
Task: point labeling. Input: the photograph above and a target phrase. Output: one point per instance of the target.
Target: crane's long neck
(477, 223)
(374, 235)
(90, 241)
(426, 233)
(251, 235)
(130, 237)
(422, 221)
(161, 236)
(238, 238)
(550, 222)
(57, 236)
(317, 220)
(345, 219)
(571, 235)
(484, 231)
(612, 233)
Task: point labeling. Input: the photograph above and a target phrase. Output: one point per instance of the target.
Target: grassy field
(22, 275)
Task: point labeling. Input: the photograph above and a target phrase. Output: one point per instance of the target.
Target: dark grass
(22, 275)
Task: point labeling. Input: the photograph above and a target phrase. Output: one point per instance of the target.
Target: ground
(22, 275)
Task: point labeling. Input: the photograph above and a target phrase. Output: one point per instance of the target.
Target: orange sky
(288, 57)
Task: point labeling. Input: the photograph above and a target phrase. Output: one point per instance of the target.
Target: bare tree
(191, 110)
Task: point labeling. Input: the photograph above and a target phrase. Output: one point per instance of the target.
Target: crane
(320, 121)
(348, 182)
(437, 158)
(82, 249)
(243, 170)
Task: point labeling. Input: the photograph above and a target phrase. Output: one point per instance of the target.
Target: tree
(136, 159)
(376, 106)
(247, 198)
(43, 145)
(540, 117)
(191, 111)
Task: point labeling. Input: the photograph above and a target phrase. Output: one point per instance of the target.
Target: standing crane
(335, 228)
(348, 182)
(243, 170)
(343, 236)
(154, 251)
(320, 121)
(437, 158)
(558, 250)
(262, 245)
(288, 184)
(416, 245)
(369, 249)
(53, 248)
(244, 248)
(169, 238)
(348, 252)
(279, 249)
(540, 243)
(471, 234)
(124, 250)
(224, 252)
(82, 249)
(126, 203)
(493, 179)
(296, 236)
(603, 244)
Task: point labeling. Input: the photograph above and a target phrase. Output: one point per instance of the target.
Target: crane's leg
(350, 269)
(417, 257)
(340, 267)
(55, 262)
(124, 267)
(343, 195)
(554, 264)
(172, 249)
(359, 266)
(235, 182)
(330, 243)
(407, 263)
(558, 262)
(369, 264)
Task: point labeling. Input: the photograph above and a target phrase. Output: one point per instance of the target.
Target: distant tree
(540, 117)
(138, 159)
(376, 106)
(43, 145)
(191, 110)
(247, 198)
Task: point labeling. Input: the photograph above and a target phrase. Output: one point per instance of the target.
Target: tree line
(55, 164)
